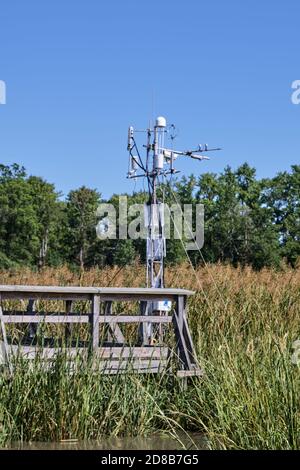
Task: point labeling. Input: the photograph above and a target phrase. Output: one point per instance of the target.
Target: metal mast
(159, 162)
(154, 221)
(156, 243)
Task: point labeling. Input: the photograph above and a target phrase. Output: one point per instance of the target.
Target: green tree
(247, 221)
(18, 219)
(81, 218)
(281, 196)
(48, 212)
(238, 228)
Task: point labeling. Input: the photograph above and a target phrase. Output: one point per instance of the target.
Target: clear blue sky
(79, 72)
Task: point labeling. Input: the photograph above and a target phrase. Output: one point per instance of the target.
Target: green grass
(243, 325)
(39, 405)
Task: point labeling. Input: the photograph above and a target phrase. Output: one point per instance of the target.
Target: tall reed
(243, 324)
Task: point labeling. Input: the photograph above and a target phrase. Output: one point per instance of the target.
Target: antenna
(159, 161)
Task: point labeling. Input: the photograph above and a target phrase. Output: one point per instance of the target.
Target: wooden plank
(137, 364)
(135, 319)
(22, 289)
(109, 336)
(32, 327)
(136, 367)
(188, 341)
(114, 331)
(112, 352)
(185, 344)
(5, 345)
(4, 354)
(180, 306)
(22, 313)
(104, 371)
(134, 351)
(113, 363)
(143, 327)
(86, 293)
(144, 296)
(7, 295)
(46, 318)
(31, 352)
(143, 290)
(190, 373)
(85, 318)
(147, 370)
(47, 365)
(162, 292)
(117, 334)
(95, 321)
(68, 328)
(183, 353)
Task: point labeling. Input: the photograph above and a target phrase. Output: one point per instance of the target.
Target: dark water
(154, 442)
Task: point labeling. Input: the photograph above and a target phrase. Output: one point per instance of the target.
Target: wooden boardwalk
(97, 309)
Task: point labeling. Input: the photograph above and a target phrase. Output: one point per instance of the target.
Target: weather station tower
(157, 165)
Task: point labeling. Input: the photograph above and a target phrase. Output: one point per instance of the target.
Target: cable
(192, 266)
(137, 150)
(199, 250)
(188, 257)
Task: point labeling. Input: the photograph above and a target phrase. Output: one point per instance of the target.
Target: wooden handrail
(100, 312)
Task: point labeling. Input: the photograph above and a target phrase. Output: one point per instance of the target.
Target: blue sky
(79, 72)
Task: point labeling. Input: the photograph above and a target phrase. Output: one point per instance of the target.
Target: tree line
(248, 221)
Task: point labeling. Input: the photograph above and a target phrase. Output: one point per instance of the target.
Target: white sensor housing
(161, 122)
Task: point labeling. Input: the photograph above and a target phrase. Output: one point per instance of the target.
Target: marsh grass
(243, 324)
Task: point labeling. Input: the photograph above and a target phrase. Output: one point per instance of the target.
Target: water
(190, 441)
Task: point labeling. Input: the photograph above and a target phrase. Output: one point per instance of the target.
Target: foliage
(247, 221)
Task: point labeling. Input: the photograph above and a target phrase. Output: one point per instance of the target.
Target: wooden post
(3, 330)
(107, 331)
(31, 327)
(143, 327)
(68, 327)
(95, 322)
(182, 350)
(180, 307)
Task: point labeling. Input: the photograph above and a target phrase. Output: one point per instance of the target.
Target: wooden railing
(114, 354)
